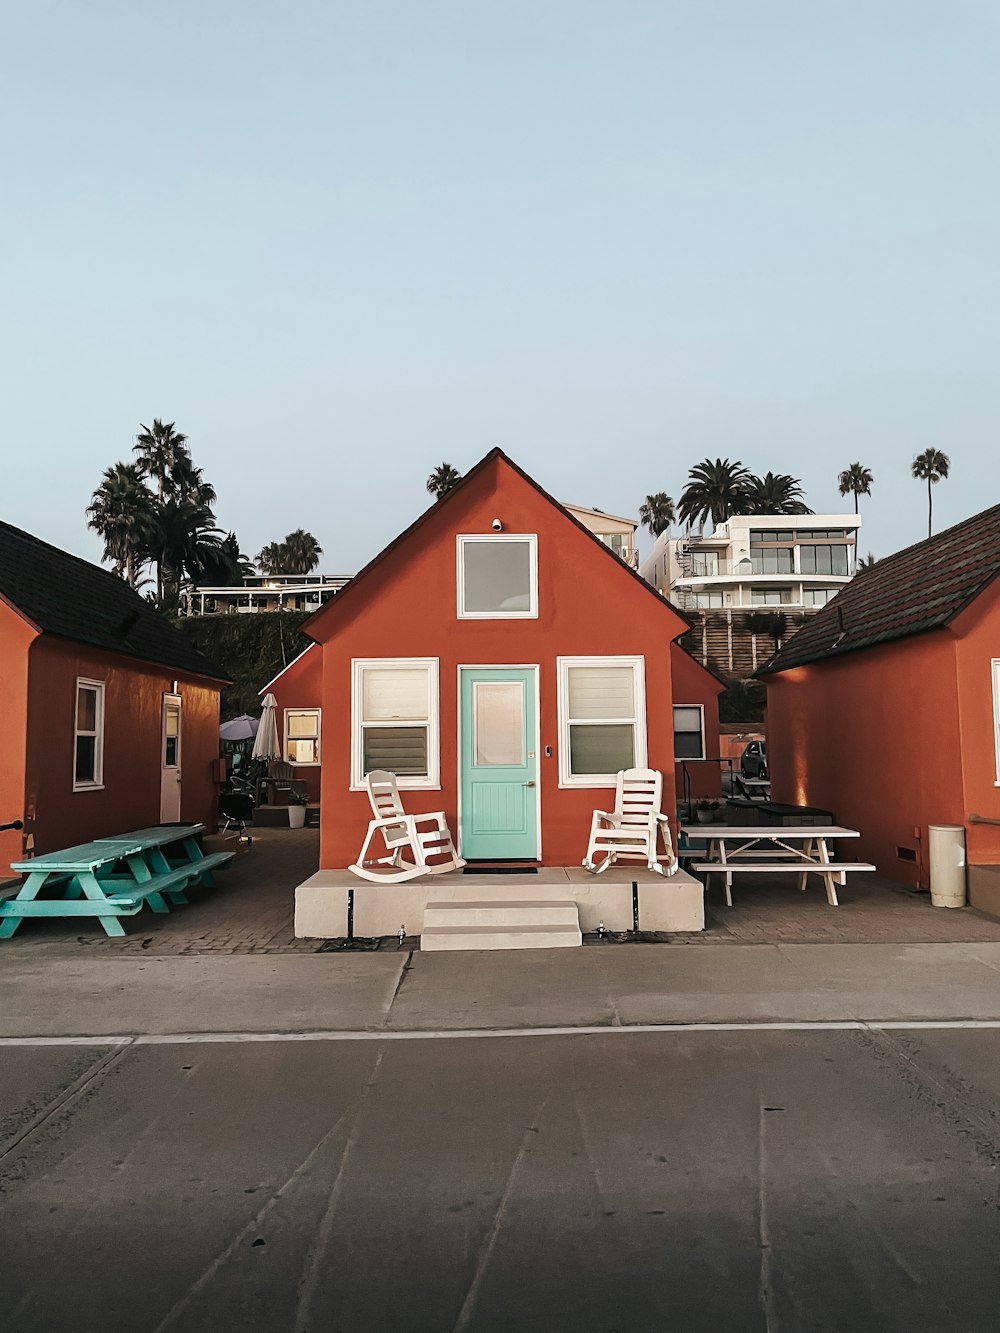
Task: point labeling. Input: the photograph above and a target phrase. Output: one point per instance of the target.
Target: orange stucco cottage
(495, 586)
(110, 716)
(885, 707)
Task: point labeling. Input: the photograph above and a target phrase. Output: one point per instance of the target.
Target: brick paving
(250, 911)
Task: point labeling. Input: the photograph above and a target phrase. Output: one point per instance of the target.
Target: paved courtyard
(250, 911)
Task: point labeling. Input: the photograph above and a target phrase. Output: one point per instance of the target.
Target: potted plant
(705, 810)
(297, 802)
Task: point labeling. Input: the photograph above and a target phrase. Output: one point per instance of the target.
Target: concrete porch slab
(664, 904)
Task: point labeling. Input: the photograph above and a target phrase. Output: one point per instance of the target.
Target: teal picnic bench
(112, 877)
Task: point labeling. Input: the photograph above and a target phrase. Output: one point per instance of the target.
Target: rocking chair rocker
(402, 833)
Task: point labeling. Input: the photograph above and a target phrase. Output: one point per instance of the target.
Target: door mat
(500, 870)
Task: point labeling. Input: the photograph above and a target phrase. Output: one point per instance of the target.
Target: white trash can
(946, 849)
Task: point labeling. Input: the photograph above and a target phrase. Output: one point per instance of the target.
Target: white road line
(467, 1034)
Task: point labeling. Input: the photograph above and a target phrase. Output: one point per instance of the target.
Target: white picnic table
(772, 850)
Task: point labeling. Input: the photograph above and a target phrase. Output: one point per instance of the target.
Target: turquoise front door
(498, 767)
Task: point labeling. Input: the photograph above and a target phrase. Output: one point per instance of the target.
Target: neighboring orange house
(885, 707)
(495, 622)
(110, 715)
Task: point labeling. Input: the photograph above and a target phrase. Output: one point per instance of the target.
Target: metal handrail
(983, 819)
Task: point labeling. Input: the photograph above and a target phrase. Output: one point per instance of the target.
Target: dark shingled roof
(73, 599)
(921, 588)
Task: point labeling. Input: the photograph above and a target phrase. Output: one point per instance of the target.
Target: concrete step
(503, 912)
(439, 938)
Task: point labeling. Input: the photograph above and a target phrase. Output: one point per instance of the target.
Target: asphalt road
(791, 1180)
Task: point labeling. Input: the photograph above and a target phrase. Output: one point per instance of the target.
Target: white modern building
(267, 592)
(793, 561)
(613, 531)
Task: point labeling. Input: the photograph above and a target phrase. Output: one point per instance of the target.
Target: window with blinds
(394, 709)
(602, 719)
(689, 731)
(302, 735)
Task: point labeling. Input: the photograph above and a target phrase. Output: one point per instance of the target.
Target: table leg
(91, 887)
(727, 873)
(162, 866)
(807, 852)
(27, 893)
(829, 876)
(142, 874)
(195, 854)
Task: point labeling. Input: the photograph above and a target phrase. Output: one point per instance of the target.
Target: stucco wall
(58, 816)
(977, 632)
(692, 684)
(589, 604)
(301, 686)
(15, 638)
(874, 737)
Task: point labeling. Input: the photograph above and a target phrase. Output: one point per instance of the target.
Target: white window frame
(432, 782)
(638, 723)
(690, 758)
(482, 537)
(299, 763)
(995, 672)
(97, 784)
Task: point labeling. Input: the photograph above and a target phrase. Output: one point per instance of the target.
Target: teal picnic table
(112, 877)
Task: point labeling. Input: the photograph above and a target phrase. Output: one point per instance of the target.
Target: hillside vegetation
(249, 648)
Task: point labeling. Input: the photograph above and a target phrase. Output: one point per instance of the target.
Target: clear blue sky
(338, 243)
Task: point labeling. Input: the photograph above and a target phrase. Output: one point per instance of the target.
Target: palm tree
(121, 511)
(182, 537)
(776, 493)
(158, 449)
(930, 466)
(224, 566)
(714, 490)
(856, 480)
(272, 559)
(302, 552)
(187, 482)
(867, 561)
(442, 479)
(657, 512)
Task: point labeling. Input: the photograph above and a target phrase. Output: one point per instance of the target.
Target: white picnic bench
(770, 850)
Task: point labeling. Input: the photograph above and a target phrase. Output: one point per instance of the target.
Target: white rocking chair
(629, 832)
(401, 833)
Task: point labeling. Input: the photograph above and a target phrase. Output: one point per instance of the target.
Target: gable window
(602, 719)
(996, 711)
(302, 735)
(88, 746)
(689, 731)
(394, 720)
(498, 577)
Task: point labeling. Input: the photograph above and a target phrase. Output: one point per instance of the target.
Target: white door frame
(501, 666)
(171, 699)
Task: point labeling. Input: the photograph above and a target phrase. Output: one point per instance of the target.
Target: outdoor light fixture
(497, 525)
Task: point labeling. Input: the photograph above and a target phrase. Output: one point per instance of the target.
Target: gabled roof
(61, 594)
(350, 591)
(921, 588)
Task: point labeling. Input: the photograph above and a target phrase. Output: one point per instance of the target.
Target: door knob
(529, 784)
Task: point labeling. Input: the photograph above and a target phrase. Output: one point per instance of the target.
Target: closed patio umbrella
(265, 744)
(242, 728)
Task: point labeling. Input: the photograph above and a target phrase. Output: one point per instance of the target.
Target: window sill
(498, 615)
(403, 785)
(597, 783)
(295, 763)
(88, 786)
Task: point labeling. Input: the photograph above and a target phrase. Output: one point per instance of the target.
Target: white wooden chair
(629, 832)
(409, 848)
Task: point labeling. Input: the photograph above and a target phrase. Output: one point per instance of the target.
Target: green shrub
(249, 648)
